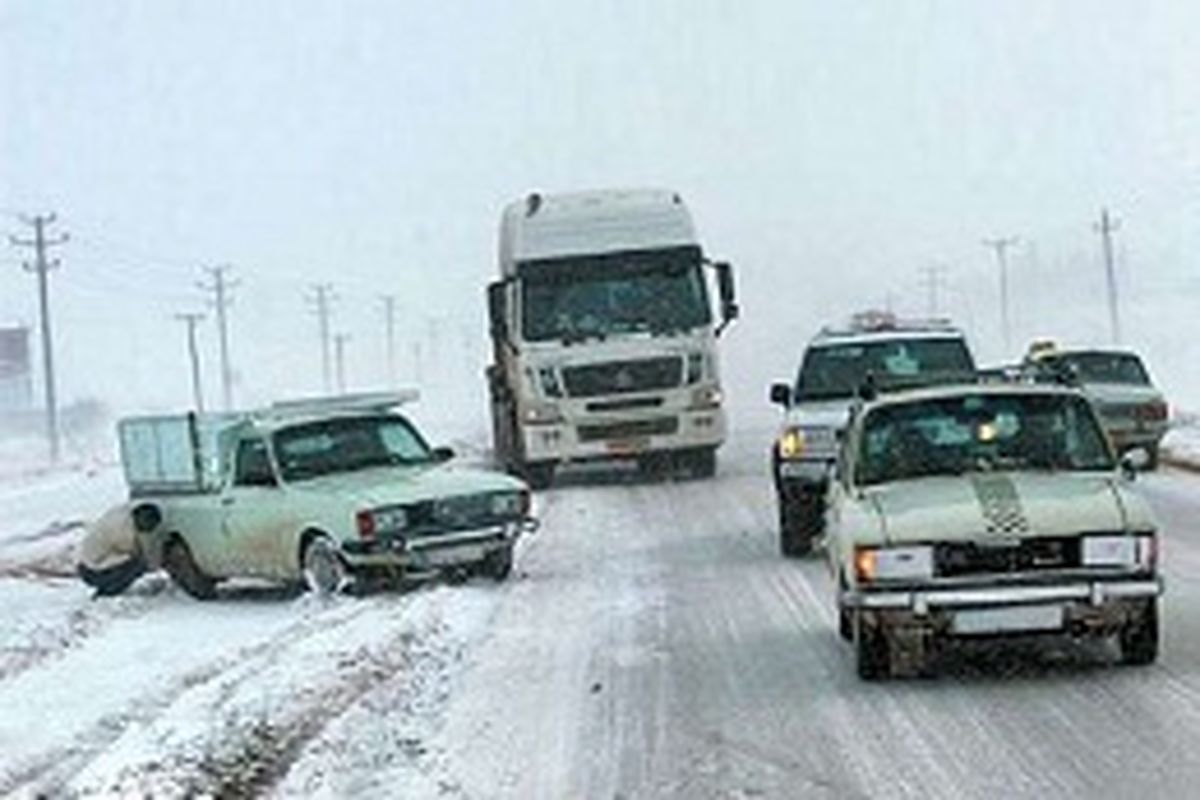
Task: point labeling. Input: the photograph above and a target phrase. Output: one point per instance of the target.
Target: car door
(254, 509)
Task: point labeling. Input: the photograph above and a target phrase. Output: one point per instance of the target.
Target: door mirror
(1134, 461)
(442, 454)
(254, 465)
(497, 300)
(726, 292)
(781, 395)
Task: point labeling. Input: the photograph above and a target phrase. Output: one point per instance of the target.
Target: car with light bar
(987, 510)
(1133, 411)
(329, 492)
(876, 347)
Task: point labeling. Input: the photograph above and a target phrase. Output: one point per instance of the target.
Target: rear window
(1104, 367)
(838, 370)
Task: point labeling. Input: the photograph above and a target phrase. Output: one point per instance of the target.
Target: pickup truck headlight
(792, 443)
(511, 504)
(893, 563)
(1119, 550)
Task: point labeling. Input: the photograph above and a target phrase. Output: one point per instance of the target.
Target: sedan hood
(1003, 505)
(386, 486)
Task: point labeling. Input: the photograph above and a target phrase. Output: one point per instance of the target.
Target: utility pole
(320, 299)
(221, 286)
(1105, 228)
(339, 344)
(1000, 245)
(191, 320)
(389, 321)
(935, 276)
(41, 243)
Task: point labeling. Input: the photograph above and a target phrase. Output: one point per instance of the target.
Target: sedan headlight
(1119, 550)
(510, 504)
(390, 519)
(893, 563)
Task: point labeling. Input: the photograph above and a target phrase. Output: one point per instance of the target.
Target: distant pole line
(339, 344)
(220, 286)
(934, 279)
(1105, 228)
(191, 320)
(321, 299)
(389, 322)
(1000, 245)
(41, 244)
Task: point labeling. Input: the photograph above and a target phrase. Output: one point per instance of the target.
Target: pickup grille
(1026, 555)
(623, 377)
(659, 426)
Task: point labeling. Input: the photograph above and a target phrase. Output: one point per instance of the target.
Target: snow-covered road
(652, 643)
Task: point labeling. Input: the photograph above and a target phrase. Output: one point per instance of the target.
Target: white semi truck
(604, 335)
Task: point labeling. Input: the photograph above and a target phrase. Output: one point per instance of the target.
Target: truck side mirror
(727, 292)
(781, 394)
(497, 301)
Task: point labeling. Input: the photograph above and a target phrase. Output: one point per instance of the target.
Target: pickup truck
(327, 492)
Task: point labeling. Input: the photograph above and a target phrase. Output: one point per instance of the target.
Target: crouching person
(111, 556)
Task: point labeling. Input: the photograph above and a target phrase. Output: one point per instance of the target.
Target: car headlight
(792, 443)
(543, 414)
(511, 504)
(390, 519)
(548, 378)
(1119, 550)
(893, 563)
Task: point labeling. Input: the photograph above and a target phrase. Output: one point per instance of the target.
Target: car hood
(385, 486)
(820, 414)
(1003, 505)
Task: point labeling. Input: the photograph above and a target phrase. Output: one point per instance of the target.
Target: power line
(1105, 228)
(934, 279)
(1000, 246)
(220, 286)
(191, 320)
(389, 321)
(41, 243)
(320, 299)
(339, 343)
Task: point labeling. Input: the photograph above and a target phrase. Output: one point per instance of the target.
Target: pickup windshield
(980, 432)
(331, 446)
(594, 296)
(838, 370)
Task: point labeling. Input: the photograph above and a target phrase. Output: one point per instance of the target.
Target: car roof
(946, 391)
(830, 337)
(1088, 351)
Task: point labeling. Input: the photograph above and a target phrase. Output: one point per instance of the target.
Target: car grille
(1027, 555)
(452, 513)
(659, 426)
(623, 377)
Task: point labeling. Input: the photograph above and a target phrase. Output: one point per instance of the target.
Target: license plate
(628, 446)
(449, 556)
(1008, 620)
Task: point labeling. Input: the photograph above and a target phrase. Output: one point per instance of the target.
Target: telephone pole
(935, 278)
(1000, 245)
(339, 344)
(389, 321)
(221, 286)
(1105, 228)
(41, 265)
(320, 299)
(191, 320)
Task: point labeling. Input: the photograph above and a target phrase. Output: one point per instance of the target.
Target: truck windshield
(950, 436)
(594, 296)
(347, 444)
(1102, 367)
(838, 370)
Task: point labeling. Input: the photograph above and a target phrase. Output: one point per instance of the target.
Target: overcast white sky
(829, 150)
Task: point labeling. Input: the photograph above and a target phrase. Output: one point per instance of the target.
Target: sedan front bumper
(922, 601)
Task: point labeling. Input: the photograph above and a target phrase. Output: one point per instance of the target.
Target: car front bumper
(920, 601)
(433, 551)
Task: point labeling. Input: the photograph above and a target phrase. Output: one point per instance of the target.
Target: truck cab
(604, 335)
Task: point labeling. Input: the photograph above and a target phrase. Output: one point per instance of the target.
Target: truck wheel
(178, 561)
(1139, 638)
(498, 564)
(800, 520)
(539, 475)
(701, 463)
(325, 572)
(872, 658)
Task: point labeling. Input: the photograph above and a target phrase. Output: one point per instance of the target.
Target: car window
(950, 436)
(1121, 368)
(345, 445)
(832, 371)
(253, 466)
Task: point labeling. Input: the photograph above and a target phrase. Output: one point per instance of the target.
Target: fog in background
(831, 151)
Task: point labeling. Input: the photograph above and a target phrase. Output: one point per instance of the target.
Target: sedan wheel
(178, 561)
(325, 573)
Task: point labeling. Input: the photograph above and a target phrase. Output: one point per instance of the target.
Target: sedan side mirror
(781, 395)
(1134, 461)
(443, 454)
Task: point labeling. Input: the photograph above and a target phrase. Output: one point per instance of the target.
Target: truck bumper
(597, 438)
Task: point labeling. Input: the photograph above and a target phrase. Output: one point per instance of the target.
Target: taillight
(1152, 412)
(365, 521)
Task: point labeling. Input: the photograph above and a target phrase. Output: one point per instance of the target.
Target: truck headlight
(511, 504)
(543, 414)
(1119, 550)
(893, 563)
(706, 397)
(548, 379)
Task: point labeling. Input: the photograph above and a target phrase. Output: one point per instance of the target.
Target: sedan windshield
(838, 370)
(983, 432)
(572, 299)
(349, 444)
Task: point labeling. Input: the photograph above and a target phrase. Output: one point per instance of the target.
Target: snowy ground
(651, 643)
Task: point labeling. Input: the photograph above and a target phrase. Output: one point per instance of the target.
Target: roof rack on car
(341, 403)
(876, 321)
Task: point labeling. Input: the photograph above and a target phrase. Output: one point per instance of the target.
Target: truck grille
(623, 377)
(1026, 555)
(660, 426)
